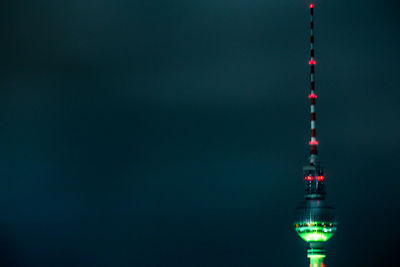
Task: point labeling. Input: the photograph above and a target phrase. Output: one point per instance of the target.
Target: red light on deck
(312, 62)
(308, 178)
(312, 6)
(312, 95)
(313, 142)
(318, 178)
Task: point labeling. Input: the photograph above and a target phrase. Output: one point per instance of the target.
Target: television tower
(315, 222)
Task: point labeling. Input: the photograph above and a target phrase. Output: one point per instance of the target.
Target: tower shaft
(316, 256)
(317, 261)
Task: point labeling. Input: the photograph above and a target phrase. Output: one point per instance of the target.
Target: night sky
(173, 133)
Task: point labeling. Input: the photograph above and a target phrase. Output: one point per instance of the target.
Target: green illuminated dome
(315, 221)
(315, 231)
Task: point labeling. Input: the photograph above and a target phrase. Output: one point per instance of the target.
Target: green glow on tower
(315, 231)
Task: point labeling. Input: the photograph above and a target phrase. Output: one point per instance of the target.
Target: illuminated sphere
(315, 221)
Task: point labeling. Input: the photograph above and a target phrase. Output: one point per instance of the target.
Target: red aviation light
(312, 62)
(318, 178)
(313, 142)
(312, 95)
(312, 6)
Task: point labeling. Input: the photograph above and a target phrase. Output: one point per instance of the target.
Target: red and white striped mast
(313, 142)
(314, 177)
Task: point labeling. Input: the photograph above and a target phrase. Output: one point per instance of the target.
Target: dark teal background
(172, 133)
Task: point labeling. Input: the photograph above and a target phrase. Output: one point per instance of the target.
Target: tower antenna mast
(313, 97)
